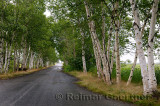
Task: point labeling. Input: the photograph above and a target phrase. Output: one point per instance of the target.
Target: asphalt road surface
(50, 87)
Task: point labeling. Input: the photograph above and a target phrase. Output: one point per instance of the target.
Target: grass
(125, 71)
(12, 75)
(131, 93)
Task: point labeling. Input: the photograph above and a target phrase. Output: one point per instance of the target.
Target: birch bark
(31, 61)
(6, 56)
(99, 48)
(103, 29)
(1, 54)
(9, 58)
(133, 67)
(15, 59)
(98, 61)
(112, 59)
(151, 70)
(143, 64)
(38, 62)
(24, 55)
(18, 59)
(117, 25)
(83, 53)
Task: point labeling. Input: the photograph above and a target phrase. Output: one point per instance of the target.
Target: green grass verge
(16, 74)
(131, 93)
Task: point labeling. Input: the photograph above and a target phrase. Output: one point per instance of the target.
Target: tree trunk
(151, 70)
(47, 64)
(24, 55)
(103, 29)
(109, 43)
(143, 64)
(6, 56)
(104, 38)
(117, 25)
(108, 48)
(41, 62)
(99, 48)
(83, 53)
(31, 61)
(15, 59)
(9, 58)
(18, 59)
(1, 54)
(34, 64)
(26, 61)
(112, 59)
(38, 62)
(98, 61)
(133, 67)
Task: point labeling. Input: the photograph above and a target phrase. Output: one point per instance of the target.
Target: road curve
(50, 87)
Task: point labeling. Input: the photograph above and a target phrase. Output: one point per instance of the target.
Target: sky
(127, 56)
(47, 13)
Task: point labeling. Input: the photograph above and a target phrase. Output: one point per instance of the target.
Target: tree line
(91, 33)
(25, 36)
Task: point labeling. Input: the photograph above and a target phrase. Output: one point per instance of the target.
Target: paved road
(49, 87)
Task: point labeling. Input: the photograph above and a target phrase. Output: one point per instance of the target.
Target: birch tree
(139, 46)
(100, 51)
(83, 53)
(117, 25)
(151, 70)
(133, 67)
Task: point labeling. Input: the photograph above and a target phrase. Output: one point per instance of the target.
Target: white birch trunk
(34, 63)
(98, 61)
(9, 58)
(83, 53)
(143, 64)
(31, 61)
(99, 48)
(23, 45)
(117, 25)
(26, 61)
(104, 38)
(109, 43)
(1, 54)
(38, 62)
(133, 67)
(42, 65)
(15, 59)
(108, 49)
(151, 70)
(112, 59)
(103, 29)
(6, 56)
(18, 59)
(1, 46)
(47, 64)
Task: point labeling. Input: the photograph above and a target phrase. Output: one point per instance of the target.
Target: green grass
(93, 83)
(12, 75)
(125, 72)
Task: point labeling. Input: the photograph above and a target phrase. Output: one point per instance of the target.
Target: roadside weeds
(19, 73)
(131, 94)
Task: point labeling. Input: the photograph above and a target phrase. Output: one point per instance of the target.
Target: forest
(87, 35)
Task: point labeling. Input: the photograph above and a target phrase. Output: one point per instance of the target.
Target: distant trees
(24, 35)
